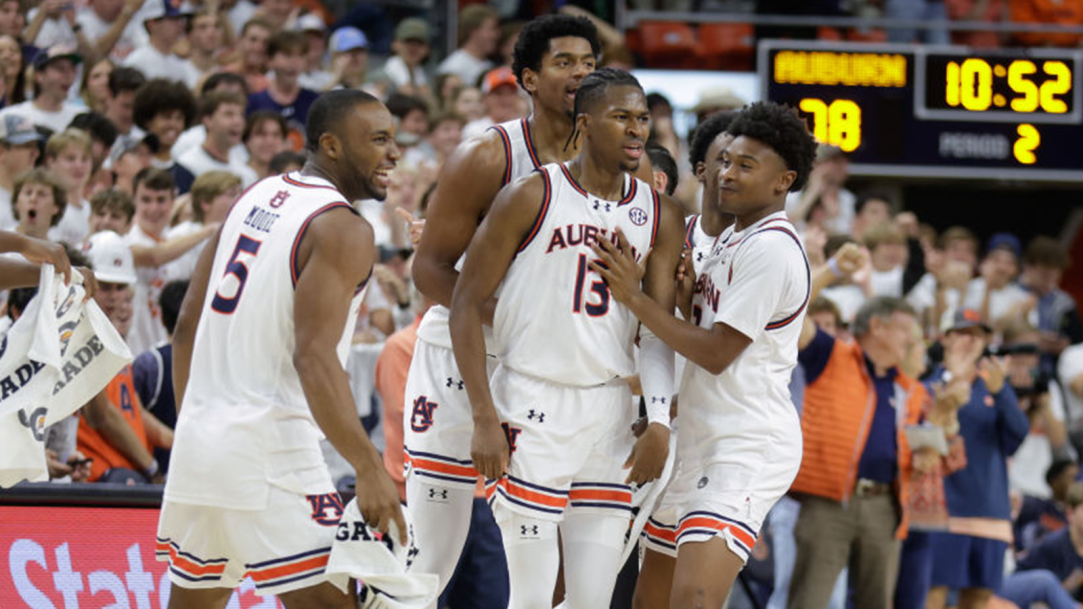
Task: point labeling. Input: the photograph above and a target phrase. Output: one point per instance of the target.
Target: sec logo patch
(637, 216)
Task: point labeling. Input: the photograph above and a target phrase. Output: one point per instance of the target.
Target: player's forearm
(434, 279)
(18, 274)
(327, 391)
(694, 343)
(468, 343)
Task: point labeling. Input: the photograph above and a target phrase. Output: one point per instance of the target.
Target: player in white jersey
(564, 348)
(740, 438)
(259, 351)
(552, 56)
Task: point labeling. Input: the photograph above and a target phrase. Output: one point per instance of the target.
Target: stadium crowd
(128, 128)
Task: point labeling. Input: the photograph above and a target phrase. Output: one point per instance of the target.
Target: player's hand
(90, 282)
(416, 226)
(686, 282)
(489, 449)
(649, 455)
(618, 267)
(40, 251)
(378, 500)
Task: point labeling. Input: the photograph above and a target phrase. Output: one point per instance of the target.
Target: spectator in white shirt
(68, 157)
(316, 76)
(479, 32)
(130, 156)
(18, 152)
(411, 48)
(994, 294)
(264, 137)
(165, 25)
(54, 74)
(222, 115)
(951, 267)
(193, 136)
(205, 37)
(888, 253)
(213, 193)
(109, 26)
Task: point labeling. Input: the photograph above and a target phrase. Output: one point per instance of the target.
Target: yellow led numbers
(970, 85)
(1028, 141)
(837, 123)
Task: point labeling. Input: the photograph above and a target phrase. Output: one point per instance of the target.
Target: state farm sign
(88, 558)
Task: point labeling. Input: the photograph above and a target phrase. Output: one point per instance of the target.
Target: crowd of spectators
(127, 128)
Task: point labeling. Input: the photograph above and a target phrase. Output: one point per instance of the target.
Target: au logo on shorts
(513, 435)
(421, 419)
(326, 509)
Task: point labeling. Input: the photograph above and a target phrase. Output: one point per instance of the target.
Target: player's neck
(316, 170)
(598, 181)
(711, 219)
(549, 131)
(748, 219)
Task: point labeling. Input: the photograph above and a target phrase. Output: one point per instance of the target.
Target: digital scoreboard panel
(936, 111)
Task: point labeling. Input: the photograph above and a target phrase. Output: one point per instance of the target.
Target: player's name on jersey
(572, 235)
(261, 219)
(705, 286)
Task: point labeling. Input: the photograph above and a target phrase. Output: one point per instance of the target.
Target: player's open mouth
(634, 150)
(570, 93)
(383, 178)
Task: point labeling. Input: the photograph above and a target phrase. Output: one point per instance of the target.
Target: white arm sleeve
(655, 375)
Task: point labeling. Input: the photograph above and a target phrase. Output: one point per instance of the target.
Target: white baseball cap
(110, 257)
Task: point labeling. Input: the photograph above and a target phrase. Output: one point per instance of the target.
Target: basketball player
(564, 349)
(258, 373)
(552, 56)
(740, 436)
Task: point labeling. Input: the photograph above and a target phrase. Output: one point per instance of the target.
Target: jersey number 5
(237, 268)
(599, 288)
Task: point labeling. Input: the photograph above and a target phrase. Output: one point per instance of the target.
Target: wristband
(151, 471)
(833, 265)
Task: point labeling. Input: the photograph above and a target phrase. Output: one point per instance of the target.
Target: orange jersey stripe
(718, 525)
(188, 566)
(602, 495)
(446, 468)
(531, 496)
(663, 534)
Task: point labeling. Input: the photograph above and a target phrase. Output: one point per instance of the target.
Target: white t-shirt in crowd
(317, 80)
(468, 67)
(194, 136)
(74, 225)
(1070, 366)
(1026, 471)
(7, 213)
(153, 64)
(183, 267)
(199, 162)
(53, 31)
(1001, 301)
(887, 283)
(95, 28)
(240, 14)
(373, 211)
(147, 328)
(477, 127)
(56, 121)
(400, 74)
(848, 298)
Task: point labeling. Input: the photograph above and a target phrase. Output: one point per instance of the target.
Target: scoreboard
(936, 111)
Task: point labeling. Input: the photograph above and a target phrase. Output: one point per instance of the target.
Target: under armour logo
(699, 256)
(658, 400)
(453, 383)
(598, 205)
(434, 493)
(536, 415)
(279, 199)
(528, 529)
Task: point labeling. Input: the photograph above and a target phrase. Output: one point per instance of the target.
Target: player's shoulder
(484, 152)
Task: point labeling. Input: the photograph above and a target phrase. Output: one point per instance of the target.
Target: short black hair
(533, 42)
(99, 127)
(706, 133)
(779, 127)
(163, 95)
(283, 159)
(219, 78)
(170, 301)
(329, 111)
(874, 195)
(1057, 468)
(662, 160)
(593, 88)
(123, 79)
(401, 104)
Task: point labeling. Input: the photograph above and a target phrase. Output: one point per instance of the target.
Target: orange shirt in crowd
(122, 395)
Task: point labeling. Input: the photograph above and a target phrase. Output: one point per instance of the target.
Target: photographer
(970, 556)
(1042, 400)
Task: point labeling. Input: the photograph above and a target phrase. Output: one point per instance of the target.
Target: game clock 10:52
(1039, 88)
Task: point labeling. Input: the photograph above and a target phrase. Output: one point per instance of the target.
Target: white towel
(380, 563)
(59, 354)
